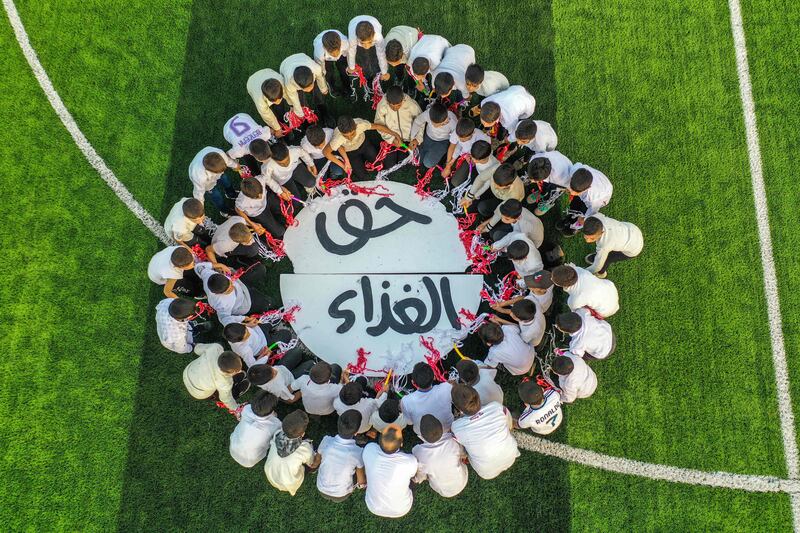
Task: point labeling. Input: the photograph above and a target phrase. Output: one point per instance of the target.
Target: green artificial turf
(97, 430)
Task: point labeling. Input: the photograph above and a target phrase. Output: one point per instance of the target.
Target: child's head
(510, 211)
(295, 424)
(563, 365)
(464, 129)
(332, 43)
(214, 162)
(219, 284)
(539, 282)
(580, 181)
(394, 52)
(569, 322)
(524, 310)
(304, 78)
(592, 229)
(504, 176)
(280, 153)
(491, 334)
(351, 393)
(394, 97)
(320, 373)
(564, 276)
(530, 393)
(365, 33)
(263, 403)
(229, 363)
(539, 168)
(474, 77)
(420, 66)
(182, 258)
(181, 308)
(468, 372)
(259, 148)
(391, 438)
(430, 429)
(346, 126)
(526, 131)
(518, 250)
(438, 114)
(466, 399)
(272, 90)
(240, 233)
(261, 374)
(252, 188)
(315, 135)
(422, 376)
(490, 114)
(480, 151)
(389, 411)
(193, 209)
(235, 332)
(348, 424)
(443, 83)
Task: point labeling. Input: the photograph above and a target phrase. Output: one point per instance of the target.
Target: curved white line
(749, 483)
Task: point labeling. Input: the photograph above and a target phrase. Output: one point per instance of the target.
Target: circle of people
(433, 100)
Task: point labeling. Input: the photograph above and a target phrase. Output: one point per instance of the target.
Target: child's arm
(309, 161)
(361, 478)
(449, 164)
(343, 163)
(168, 286)
(600, 255)
(383, 129)
(212, 257)
(258, 228)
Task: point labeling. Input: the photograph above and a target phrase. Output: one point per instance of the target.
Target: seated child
(586, 290)
(262, 216)
(290, 453)
(590, 337)
(506, 347)
(212, 373)
(173, 267)
(429, 398)
(251, 438)
(431, 132)
(319, 388)
(542, 413)
(331, 49)
(616, 241)
(388, 413)
(208, 177)
(440, 459)
(575, 378)
(351, 396)
(481, 379)
(340, 460)
(184, 223)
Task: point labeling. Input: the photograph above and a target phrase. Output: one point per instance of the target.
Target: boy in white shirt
(399, 42)
(590, 337)
(367, 48)
(284, 172)
(175, 329)
(233, 298)
(396, 111)
(549, 173)
(388, 413)
(461, 141)
(351, 396)
(440, 459)
(481, 83)
(212, 373)
(431, 132)
(455, 62)
(251, 438)
(575, 378)
(265, 87)
(484, 432)
(184, 223)
(258, 213)
(389, 473)
(427, 399)
(278, 378)
(501, 112)
(251, 340)
(233, 244)
(173, 267)
(530, 319)
(331, 49)
(506, 347)
(249, 141)
(540, 290)
(304, 84)
(289, 454)
(314, 143)
(481, 379)
(542, 413)
(340, 458)
(512, 217)
(320, 388)
(522, 252)
(425, 56)
(591, 191)
(616, 241)
(586, 290)
(533, 137)
(208, 177)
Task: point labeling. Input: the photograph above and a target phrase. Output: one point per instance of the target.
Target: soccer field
(96, 429)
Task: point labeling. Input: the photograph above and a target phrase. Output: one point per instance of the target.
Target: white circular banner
(377, 272)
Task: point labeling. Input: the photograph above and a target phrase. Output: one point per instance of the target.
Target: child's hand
(385, 77)
(286, 194)
(350, 71)
(465, 203)
(250, 322)
(413, 145)
(446, 171)
(313, 170)
(482, 227)
(222, 269)
(475, 111)
(277, 133)
(258, 228)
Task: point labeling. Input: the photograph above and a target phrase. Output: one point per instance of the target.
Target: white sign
(377, 272)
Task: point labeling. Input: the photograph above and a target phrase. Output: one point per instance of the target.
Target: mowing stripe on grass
(80, 139)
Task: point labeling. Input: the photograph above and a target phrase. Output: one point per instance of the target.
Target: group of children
(434, 100)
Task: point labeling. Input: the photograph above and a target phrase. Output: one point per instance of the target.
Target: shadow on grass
(179, 474)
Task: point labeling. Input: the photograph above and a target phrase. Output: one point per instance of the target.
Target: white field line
(785, 409)
(750, 483)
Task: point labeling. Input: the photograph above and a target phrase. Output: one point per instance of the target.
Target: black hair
(480, 150)
(581, 180)
(181, 308)
(524, 309)
(351, 393)
(474, 74)
(239, 232)
(539, 168)
(279, 151)
(468, 371)
(420, 66)
(272, 89)
(349, 423)
(263, 403)
(331, 41)
(443, 83)
(389, 411)
(491, 334)
(181, 257)
(530, 392)
(564, 276)
(315, 134)
(259, 148)
(260, 374)
(218, 283)
(569, 322)
(295, 424)
(394, 50)
(303, 76)
(539, 280)
(511, 208)
(214, 162)
(422, 375)
(563, 365)
(320, 373)
(252, 188)
(490, 111)
(192, 208)
(346, 124)
(466, 399)
(394, 94)
(430, 428)
(592, 226)
(518, 250)
(364, 31)
(229, 362)
(464, 127)
(437, 112)
(526, 129)
(234, 332)
(504, 175)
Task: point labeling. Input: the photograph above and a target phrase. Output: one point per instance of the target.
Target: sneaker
(589, 259)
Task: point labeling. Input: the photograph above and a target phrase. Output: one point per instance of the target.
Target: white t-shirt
(533, 330)
(545, 140)
(251, 437)
(542, 301)
(202, 179)
(249, 348)
(594, 337)
(252, 207)
(314, 151)
(455, 61)
(240, 131)
(464, 147)
(580, 383)
(388, 479)
(423, 124)
(599, 193)
(177, 225)
(160, 269)
(280, 383)
(441, 464)
(516, 104)
(340, 458)
(221, 241)
(486, 436)
(431, 47)
(591, 291)
(436, 401)
(235, 304)
(377, 422)
(487, 387)
(321, 55)
(287, 473)
(317, 398)
(365, 406)
(513, 353)
(560, 168)
(276, 175)
(493, 82)
(546, 418)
